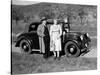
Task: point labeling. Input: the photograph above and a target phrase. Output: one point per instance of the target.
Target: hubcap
(25, 47)
(72, 49)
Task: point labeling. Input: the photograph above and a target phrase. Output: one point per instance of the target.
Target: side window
(32, 28)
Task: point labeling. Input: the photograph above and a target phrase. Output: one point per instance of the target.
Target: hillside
(82, 17)
(59, 10)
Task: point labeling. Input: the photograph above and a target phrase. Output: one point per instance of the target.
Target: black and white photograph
(51, 37)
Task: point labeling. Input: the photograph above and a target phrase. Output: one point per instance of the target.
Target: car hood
(76, 33)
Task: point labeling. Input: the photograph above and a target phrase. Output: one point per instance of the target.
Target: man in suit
(44, 38)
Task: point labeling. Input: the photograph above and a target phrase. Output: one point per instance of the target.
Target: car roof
(49, 21)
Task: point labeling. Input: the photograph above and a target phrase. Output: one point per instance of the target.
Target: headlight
(81, 37)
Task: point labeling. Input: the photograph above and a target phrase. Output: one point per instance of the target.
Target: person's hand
(58, 37)
(42, 35)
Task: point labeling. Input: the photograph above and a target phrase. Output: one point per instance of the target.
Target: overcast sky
(23, 2)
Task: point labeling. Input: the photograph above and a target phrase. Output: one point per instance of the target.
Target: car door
(33, 34)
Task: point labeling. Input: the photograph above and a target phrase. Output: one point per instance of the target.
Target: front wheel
(25, 46)
(72, 49)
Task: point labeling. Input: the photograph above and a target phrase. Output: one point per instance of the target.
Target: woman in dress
(55, 39)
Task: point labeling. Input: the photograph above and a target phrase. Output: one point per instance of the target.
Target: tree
(46, 13)
(17, 15)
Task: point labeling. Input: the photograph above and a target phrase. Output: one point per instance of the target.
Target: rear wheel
(71, 49)
(25, 46)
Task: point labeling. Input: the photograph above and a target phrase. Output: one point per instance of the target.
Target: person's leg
(46, 49)
(43, 46)
(46, 43)
(58, 55)
(54, 53)
(45, 54)
(48, 46)
(40, 44)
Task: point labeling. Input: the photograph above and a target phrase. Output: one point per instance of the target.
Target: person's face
(44, 22)
(55, 22)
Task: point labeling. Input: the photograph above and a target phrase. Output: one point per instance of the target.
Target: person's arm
(40, 31)
(50, 30)
(60, 30)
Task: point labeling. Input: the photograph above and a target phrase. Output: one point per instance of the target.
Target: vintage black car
(74, 44)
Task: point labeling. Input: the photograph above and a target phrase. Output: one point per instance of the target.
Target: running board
(36, 50)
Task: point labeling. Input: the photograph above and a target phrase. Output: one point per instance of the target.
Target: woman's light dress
(55, 38)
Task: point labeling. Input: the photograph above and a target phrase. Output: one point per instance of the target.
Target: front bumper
(86, 49)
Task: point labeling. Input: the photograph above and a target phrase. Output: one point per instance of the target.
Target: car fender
(75, 41)
(21, 38)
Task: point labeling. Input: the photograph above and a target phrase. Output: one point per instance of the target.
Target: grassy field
(35, 63)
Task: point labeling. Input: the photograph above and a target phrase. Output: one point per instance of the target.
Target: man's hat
(43, 18)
